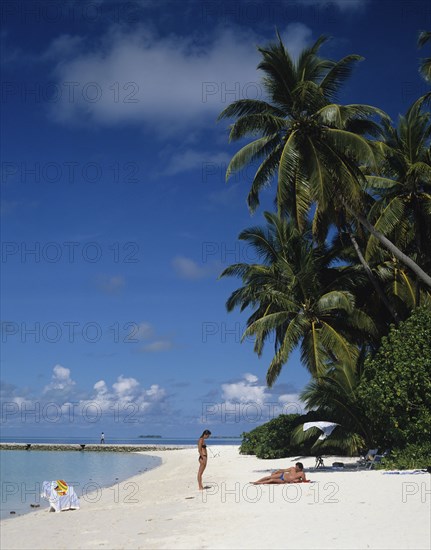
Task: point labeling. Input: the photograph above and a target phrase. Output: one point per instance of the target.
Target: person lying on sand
(295, 474)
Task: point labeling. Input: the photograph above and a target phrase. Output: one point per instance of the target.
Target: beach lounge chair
(368, 458)
(371, 459)
(377, 459)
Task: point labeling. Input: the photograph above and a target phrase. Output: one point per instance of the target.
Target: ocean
(90, 473)
(173, 441)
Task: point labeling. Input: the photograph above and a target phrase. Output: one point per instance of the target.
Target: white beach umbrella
(325, 427)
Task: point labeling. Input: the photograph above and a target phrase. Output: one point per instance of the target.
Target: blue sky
(116, 220)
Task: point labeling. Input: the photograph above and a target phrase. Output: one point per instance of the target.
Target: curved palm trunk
(373, 280)
(424, 277)
(418, 238)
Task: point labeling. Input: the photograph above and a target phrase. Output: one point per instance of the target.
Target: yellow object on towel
(61, 487)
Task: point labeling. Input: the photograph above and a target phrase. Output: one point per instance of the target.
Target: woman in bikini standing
(203, 457)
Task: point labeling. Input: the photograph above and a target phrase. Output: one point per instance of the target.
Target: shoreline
(43, 505)
(94, 447)
(162, 508)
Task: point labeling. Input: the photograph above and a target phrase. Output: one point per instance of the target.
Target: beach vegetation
(413, 456)
(425, 64)
(298, 293)
(334, 398)
(340, 170)
(395, 387)
(317, 150)
(273, 439)
(344, 260)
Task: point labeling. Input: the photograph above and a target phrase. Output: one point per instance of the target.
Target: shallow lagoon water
(90, 473)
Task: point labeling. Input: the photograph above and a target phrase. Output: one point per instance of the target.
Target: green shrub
(395, 388)
(273, 439)
(409, 458)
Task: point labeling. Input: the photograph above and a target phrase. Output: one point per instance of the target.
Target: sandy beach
(164, 509)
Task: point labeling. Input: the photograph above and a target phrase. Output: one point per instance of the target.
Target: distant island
(212, 437)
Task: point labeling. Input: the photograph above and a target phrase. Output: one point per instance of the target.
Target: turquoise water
(90, 473)
(173, 441)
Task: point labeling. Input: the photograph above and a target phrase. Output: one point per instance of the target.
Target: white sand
(356, 510)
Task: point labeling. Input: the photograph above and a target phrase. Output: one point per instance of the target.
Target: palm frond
(389, 219)
(264, 176)
(245, 107)
(337, 75)
(423, 38)
(248, 153)
(336, 300)
(261, 124)
(292, 336)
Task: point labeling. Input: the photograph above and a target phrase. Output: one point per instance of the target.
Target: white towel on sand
(69, 501)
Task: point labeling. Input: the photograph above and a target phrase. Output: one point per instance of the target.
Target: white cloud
(110, 284)
(245, 391)
(125, 399)
(63, 46)
(172, 82)
(188, 269)
(248, 401)
(62, 401)
(296, 37)
(125, 392)
(60, 380)
(125, 386)
(191, 160)
(155, 391)
(158, 345)
(291, 403)
(101, 387)
(251, 378)
(342, 5)
(143, 332)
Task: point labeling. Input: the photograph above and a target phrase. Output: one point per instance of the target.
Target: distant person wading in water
(203, 456)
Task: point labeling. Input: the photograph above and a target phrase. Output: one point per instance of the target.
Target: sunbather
(295, 474)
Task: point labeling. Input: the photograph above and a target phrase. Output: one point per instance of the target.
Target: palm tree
(400, 285)
(402, 208)
(425, 67)
(334, 396)
(352, 253)
(314, 145)
(296, 294)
